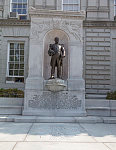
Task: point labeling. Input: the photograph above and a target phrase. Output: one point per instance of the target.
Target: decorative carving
(72, 27)
(51, 100)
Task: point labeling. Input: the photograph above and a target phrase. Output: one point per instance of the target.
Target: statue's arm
(63, 51)
(50, 51)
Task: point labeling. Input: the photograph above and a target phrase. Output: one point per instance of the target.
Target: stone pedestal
(57, 97)
(55, 85)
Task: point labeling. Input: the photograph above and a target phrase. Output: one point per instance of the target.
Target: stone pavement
(57, 136)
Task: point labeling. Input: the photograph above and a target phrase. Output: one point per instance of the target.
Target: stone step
(98, 111)
(101, 111)
(99, 107)
(11, 101)
(97, 103)
(95, 96)
(60, 120)
(11, 110)
(35, 119)
(97, 91)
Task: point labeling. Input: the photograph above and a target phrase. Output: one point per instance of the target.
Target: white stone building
(99, 37)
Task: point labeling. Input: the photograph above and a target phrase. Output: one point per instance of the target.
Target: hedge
(11, 93)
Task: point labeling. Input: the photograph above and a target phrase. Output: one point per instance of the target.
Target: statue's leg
(58, 68)
(52, 72)
(53, 62)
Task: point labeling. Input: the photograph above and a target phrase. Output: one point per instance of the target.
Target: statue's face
(56, 40)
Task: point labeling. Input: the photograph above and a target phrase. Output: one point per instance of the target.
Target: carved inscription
(49, 100)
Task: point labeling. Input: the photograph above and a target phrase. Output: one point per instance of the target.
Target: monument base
(54, 113)
(48, 103)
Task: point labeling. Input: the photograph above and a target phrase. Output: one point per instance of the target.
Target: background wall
(99, 42)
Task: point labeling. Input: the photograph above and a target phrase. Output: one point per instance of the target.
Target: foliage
(111, 95)
(11, 93)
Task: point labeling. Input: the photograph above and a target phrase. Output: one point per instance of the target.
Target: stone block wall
(1, 9)
(0, 54)
(97, 60)
(99, 10)
(113, 60)
(12, 31)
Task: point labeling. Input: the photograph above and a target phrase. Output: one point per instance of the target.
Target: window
(20, 7)
(71, 5)
(114, 7)
(16, 62)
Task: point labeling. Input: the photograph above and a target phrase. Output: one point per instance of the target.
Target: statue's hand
(51, 52)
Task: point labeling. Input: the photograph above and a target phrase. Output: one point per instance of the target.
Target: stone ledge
(99, 24)
(14, 22)
(56, 13)
(35, 119)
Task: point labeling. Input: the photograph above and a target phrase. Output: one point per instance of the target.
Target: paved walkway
(57, 136)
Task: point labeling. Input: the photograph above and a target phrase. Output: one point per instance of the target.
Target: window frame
(8, 61)
(79, 6)
(19, 8)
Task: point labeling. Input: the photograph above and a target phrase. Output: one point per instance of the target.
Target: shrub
(111, 95)
(11, 93)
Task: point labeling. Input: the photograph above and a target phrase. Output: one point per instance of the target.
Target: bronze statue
(57, 53)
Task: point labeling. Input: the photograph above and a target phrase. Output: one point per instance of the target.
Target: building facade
(99, 39)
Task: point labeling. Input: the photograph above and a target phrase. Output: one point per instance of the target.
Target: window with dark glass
(20, 7)
(16, 61)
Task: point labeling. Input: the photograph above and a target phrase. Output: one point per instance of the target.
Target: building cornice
(86, 23)
(14, 22)
(99, 24)
(56, 13)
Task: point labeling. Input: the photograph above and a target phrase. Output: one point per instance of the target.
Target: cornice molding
(56, 13)
(99, 24)
(14, 22)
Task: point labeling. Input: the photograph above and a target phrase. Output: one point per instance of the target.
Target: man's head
(56, 40)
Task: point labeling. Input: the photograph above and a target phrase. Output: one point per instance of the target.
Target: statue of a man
(57, 53)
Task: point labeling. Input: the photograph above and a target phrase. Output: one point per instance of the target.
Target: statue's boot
(52, 77)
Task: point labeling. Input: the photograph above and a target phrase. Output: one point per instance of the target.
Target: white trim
(8, 56)
(19, 8)
(62, 5)
(7, 72)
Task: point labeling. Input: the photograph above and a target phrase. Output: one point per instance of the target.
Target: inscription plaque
(59, 100)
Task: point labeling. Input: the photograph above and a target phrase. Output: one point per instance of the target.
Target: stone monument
(55, 97)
